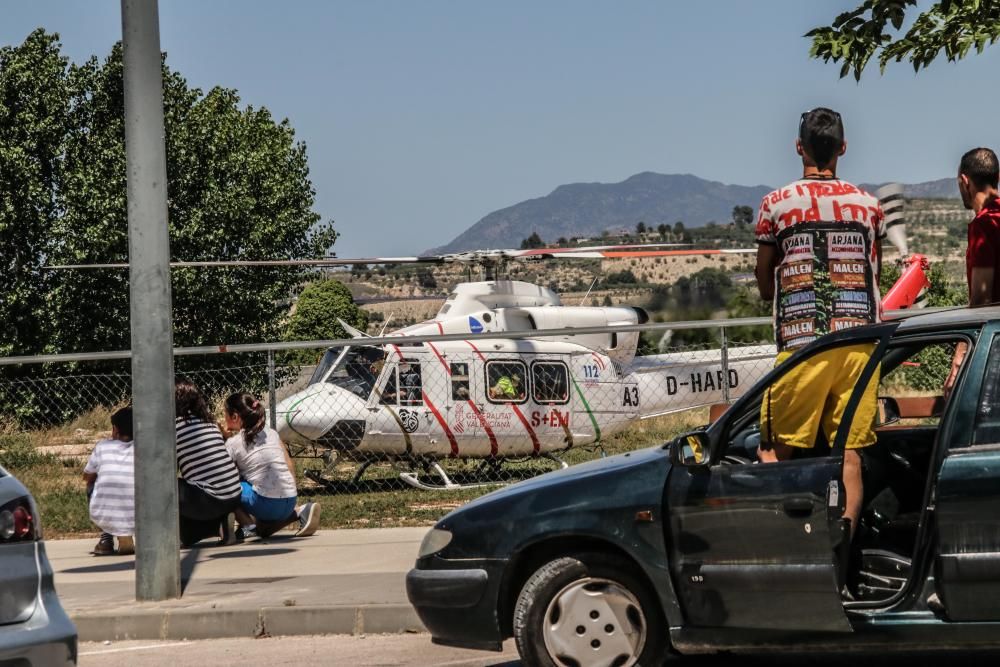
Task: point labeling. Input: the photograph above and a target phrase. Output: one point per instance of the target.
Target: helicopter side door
(465, 391)
(398, 415)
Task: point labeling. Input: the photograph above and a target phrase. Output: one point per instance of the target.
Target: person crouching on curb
(110, 477)
(266, 473)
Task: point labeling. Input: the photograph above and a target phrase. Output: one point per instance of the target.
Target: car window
(987, 429)
(918, 377)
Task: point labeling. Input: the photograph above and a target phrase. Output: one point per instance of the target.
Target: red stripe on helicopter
(447, 368)
(476, 350)
(444, 424)
(486, 427)
(399, 353)
(534, 438)
(440, 328)
(623, 254)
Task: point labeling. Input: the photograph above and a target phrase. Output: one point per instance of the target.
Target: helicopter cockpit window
(506, 381)
(460, 382)
(404, 385)
(549, 382)
(352, 368)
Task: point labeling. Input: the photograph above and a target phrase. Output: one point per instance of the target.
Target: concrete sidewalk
(335, 582)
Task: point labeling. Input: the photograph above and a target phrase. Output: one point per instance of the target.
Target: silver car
(34, 628)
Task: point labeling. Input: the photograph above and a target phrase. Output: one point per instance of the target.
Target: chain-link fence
(440, 412)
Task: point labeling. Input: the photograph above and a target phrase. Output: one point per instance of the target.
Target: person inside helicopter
(507, 388)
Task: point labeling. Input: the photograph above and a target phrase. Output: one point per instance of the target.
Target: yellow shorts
(815, 394)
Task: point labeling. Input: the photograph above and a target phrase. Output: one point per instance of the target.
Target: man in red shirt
(978, 173)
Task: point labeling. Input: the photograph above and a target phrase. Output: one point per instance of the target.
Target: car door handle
(798, 507)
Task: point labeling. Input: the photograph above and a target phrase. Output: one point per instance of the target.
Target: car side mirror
(691, 449)
(888, 411)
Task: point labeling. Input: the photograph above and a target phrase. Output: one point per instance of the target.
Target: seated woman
(208, 488)
(266, 472)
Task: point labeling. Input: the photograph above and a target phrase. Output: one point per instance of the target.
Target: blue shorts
(263, 508)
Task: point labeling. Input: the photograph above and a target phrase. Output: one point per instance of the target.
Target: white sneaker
(308, 520)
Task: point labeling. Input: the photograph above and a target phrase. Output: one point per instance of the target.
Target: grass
(58, 487)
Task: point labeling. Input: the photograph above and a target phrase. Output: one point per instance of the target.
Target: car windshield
(353, 368)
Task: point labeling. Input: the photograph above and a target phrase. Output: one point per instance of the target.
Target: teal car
(694, 547)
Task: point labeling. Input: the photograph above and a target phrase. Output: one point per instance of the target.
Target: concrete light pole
(157, 543)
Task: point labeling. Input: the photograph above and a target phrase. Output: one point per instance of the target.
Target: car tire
(590, 609)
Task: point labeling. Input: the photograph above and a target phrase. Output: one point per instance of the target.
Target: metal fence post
(724, 355)
(272, 398)
(157, 541)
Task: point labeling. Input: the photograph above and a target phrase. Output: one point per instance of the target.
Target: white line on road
(134, 648)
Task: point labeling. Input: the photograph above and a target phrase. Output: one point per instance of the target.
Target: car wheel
(589, 610)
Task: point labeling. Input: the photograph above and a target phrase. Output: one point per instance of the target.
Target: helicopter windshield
(353, 368)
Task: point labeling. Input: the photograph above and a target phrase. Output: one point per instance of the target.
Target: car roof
(952, 317)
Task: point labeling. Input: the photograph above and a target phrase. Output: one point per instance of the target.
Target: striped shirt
(112, 506)
(204, 460)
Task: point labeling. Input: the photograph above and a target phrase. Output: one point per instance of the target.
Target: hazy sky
(423, 116)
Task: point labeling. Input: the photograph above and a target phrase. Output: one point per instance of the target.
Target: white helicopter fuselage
(446, 399)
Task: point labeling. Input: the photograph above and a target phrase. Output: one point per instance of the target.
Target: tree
(238, 188)
(663, 229)
(426, 279)
(33, 108)
(316, 312)
(532, 242)
(640, 228)
(679, 228)
(742, 216)
(952, 26)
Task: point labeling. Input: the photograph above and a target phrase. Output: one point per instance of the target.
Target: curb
(250, 622)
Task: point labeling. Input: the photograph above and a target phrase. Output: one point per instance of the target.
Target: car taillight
(17, 523)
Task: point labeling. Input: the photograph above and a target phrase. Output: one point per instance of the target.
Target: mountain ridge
(585, 209)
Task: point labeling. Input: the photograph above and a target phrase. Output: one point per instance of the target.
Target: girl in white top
(266, 471)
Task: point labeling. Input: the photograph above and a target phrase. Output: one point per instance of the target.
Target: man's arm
(767, 261)
(90, 477)
(981, 286)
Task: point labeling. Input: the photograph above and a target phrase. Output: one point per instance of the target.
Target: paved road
(411, 650)
(416, 650)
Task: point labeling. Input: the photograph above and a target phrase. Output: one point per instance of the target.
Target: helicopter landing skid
(447, 484)
(488, 468)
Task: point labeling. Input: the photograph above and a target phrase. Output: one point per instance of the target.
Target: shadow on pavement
(189, 562)
(120, 566)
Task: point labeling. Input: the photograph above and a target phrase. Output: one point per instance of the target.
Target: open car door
(755, 546)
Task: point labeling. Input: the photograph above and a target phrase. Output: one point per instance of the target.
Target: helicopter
(538, 395)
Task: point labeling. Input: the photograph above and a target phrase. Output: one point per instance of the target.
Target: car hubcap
(594, 622)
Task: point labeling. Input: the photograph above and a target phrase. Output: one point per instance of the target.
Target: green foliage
(34, 99)
(624, 277)
(532, 242)
(952, 26)
(18, 452)
(238, 189)
(316, 313)
(742, 216)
